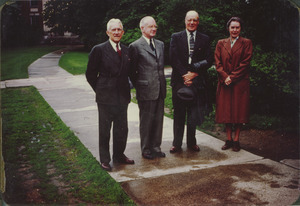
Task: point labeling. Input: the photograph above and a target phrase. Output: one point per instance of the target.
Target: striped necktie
(192, 44)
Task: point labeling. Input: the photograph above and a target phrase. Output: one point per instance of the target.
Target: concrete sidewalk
(210, 177)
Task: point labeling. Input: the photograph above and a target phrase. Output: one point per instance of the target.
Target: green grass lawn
(15, 62)
(74, 62)
(38, 144)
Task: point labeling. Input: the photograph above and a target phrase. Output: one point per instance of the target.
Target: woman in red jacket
(232, 57)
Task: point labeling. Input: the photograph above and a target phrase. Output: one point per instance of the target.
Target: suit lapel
(157, 47)
(237, 45)
(112, 55)
(185, 42)
(146, 46)
(197, 42)
(110, 51)
(227, 46)
(124, 55)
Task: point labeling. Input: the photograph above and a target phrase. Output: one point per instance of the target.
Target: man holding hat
(190, 58)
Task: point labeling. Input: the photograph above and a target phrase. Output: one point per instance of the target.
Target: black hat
(186, 93)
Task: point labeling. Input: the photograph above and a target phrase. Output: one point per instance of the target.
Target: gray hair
(144, 19)
(113, 21)
(191, 12)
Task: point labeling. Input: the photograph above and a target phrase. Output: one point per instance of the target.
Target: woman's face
(234, 29)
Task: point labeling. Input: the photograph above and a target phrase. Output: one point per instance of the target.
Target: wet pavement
(208, 177)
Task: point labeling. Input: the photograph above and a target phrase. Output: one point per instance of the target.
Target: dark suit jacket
(107, 74)
(147, 69)
(179, 55)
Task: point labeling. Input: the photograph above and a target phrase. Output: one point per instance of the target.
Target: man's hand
(188, 77)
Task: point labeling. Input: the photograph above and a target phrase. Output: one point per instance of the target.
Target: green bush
(274, 83)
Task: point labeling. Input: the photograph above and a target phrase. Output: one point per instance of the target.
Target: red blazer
(232, 102)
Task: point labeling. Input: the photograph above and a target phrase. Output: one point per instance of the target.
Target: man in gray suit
(107, 73)
(147, 76)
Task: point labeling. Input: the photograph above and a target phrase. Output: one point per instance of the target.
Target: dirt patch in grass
(269, 144)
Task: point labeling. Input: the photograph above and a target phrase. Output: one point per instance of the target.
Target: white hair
(191, 12)
(118, 21)
(144, 19)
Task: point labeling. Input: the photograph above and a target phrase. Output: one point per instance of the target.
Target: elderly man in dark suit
(190, 58)
(147, 76)
(107, 73)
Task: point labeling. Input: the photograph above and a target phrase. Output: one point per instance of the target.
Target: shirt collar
(114, 45)
(233, 41)
(148, 41)
(189, 33)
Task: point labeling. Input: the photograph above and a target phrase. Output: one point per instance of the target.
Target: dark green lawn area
(42, 156)
(15, 62)
(74, 62)
(38, 147)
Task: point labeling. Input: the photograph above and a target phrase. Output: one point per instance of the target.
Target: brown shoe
(228, 144)
(236, 146)
(195, 148)
(175, 149)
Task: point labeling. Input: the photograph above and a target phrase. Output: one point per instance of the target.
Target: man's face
(234, 29)
(149, 29)
(115, 32)
(191, 22)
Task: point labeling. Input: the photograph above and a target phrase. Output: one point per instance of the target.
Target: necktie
(151, 45)
(192, 44)
(118, 50)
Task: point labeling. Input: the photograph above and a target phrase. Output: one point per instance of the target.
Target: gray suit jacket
(147, 69)
(107, 74)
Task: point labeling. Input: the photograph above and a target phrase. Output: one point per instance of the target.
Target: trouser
(112, 116)
(182, 111)
(151, 124)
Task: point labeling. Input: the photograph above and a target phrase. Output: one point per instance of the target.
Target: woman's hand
(228, 81)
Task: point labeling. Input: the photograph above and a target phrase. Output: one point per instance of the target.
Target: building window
(33, 3)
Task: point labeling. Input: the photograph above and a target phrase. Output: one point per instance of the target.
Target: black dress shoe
(148, 156)
(194, 148)
(106, 166)
(160, 154)
(175, 149)
(236, 146)
(124, 160)
(228, 144)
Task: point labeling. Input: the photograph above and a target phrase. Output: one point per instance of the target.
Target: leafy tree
(274, 85)
(14, 29)
(273, 27)
(130, 12)
(59, 16)
(82, 17)
(273, 24)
